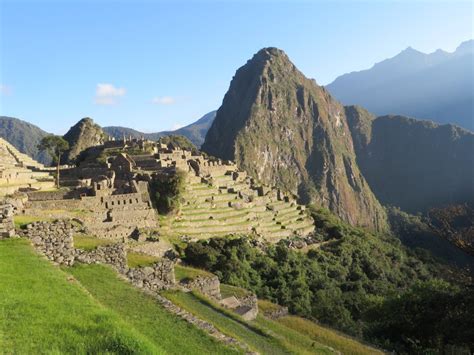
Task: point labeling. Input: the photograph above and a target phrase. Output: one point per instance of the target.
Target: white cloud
(107, 94)
(163, 100)
(176, 126)
(5, 90)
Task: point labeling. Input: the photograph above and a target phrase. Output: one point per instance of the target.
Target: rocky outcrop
(285, 130)
(415, 165)
(84, 134)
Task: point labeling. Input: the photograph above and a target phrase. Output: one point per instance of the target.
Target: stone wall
(114, 254)
(52, 239)
(7, 227)
(207, 285)
(153, 278)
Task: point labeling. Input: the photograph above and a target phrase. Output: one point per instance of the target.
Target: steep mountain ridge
(285, 130)
(436, 86)
(84, 134)
(195, 131)
(24, 136)
(412, 164)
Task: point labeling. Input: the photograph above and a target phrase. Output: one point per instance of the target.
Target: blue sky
(154, 65)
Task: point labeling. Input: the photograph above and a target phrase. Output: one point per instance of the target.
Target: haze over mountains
(436, 86)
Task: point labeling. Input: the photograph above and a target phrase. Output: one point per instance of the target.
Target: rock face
(84, 134)
(284, 129)
(415, 165)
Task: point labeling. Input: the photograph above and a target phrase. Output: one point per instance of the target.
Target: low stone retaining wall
(114, 255)
(52, 239)
(153, 278)
(7, 227)
(207, 285)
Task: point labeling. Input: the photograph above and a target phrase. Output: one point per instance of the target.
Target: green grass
(229, 291)
(22, 220)
(295, 341)
(140, 260)
(88, 242)
(327, 336)
(43, 310)
(188, 273)
(142, 312)
(265, 306)
(232, 325)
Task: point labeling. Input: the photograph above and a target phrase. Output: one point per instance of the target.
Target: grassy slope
(42, 310)
(264, 336)
(144, 314)
(342, 343)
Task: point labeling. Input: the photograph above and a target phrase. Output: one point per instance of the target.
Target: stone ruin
(7, 227)
(18, 171)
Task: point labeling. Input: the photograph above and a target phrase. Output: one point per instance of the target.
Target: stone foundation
(7, 227)
(207, 285)
(114, 255)
(52, 239)
(157, 277)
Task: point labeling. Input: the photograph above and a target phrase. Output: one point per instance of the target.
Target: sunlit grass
(140, 260)
(88, 242)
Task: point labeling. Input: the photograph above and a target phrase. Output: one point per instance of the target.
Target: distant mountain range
(26, 136)
(195, 132)
(437, 86)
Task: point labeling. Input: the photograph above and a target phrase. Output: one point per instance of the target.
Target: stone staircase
(217, 206)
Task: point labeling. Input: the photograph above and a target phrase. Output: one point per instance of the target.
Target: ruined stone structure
(207, 285)
(19, 171)
(114, 254)
(7, 227)
(153, 278)
(53, 240)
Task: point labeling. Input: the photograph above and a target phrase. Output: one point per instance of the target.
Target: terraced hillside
(223, 205)
(18, 170)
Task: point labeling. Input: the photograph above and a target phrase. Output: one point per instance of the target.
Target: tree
(55, 146)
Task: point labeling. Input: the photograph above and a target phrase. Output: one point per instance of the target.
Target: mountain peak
(465, 47)
(284, 130)
(84, 134)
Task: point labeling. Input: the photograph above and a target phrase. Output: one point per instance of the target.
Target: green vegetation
(182, 273)
(88, 242)
(339, 284)
(326, 336)
(21, 221)
(258, 338)
(43, 310)
(140, 260)
(229, 291)
(143, 313)
(166, 191)
(178, 141)
(55, 146)
(265, 306)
